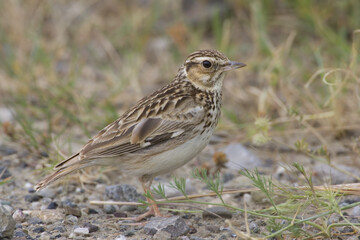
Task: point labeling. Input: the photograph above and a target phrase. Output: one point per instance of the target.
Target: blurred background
(67, 68)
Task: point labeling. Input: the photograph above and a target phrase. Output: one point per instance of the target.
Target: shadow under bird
(164, 130)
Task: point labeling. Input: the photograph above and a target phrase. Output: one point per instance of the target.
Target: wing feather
(132, 131)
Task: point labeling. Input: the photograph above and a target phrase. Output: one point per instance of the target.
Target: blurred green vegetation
(67, 68)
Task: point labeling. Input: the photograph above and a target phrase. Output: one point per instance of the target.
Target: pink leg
(153, 208)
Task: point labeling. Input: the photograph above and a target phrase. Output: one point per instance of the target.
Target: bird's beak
(233, 65)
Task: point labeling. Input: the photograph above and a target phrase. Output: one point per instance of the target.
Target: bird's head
(206, 68)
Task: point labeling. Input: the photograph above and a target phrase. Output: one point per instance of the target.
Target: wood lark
(164, 130)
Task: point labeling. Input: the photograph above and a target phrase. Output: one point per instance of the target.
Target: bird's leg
(153, 208)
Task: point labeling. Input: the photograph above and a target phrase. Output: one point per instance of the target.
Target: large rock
(7, 223)
(324, 173)
(176, 226)
(240, 158)
(123, 192)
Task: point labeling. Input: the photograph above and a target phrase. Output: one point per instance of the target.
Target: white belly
(175, 158)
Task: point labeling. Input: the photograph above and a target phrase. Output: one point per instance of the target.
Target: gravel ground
(63, 211)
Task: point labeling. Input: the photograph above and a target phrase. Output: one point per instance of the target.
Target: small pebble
(59, 229)
(28, 186)
(247, 198)
(71, 219)
(68, 203)
(47, 193)
(79, 190)
(6, 151)
(213, 228)
(18, 225)
(32, 197)
(20, 234)
(175, 225)
(92, 211)
(75, 211)
(38, 230)
(120, 214)
(192, 230)
(227, 177)
(355, 211)
(120, 237)
(4, 172)
(109, 209)
(82, 231)
(34, 220)
(334, 218)
(254, 228)
(44, 154)
(52, 205)
(221, 211)
(129, 233)
(35, 205)
(123, 192)
(19, 215)
(128, 208)
(347, 229)
(91, 227)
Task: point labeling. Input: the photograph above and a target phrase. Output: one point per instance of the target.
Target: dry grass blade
(348, 189)
(209, 194)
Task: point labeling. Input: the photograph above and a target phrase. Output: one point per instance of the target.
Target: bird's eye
(206, 64)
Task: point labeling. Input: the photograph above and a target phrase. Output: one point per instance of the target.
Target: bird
(161, 132)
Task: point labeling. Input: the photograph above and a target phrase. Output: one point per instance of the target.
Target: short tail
(62, 169)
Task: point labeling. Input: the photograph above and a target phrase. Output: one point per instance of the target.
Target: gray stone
(71, 219)
(176, 226)
(20, 234)
(129, 233)
(6, 115)
(67, 202)
(4, 173)
(7, 223)
(46, 216)
(6, 151)
(91, 227)
(227, 177)
(254, 227)
(239, 157)
(32, 197)
(162, 235)
(120, 237)
(75, 211)
(47, 193)
(213, 228)
(18, 215)
(355, 211)
(109, 209)
(39, 229)
(52, 205)
(327, 174)
(334, 218)
(173, 192)
(35, 220)
(198, 238)
(214, 211)
(123, 192)
(81, 231)
(128, 208)
(60, 229)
